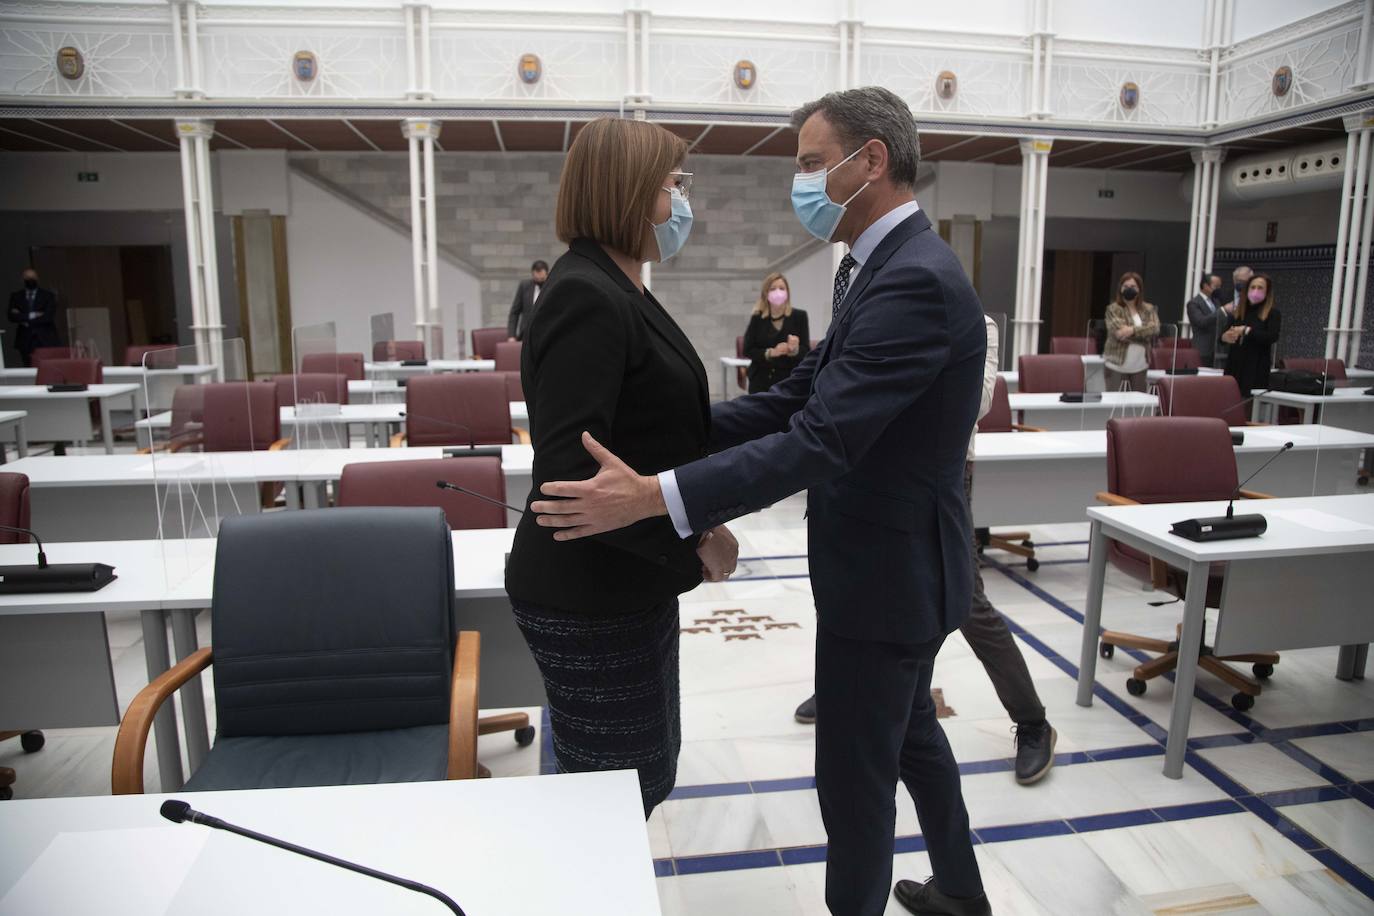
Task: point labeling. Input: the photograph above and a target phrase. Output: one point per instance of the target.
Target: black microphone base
(55, 577)
(1220, 528)
(472, 451)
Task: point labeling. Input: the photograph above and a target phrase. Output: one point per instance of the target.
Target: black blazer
(602, 357)
(1250, 357)
(764, 373)
(41, 331)
(875, 425)
(522, 310)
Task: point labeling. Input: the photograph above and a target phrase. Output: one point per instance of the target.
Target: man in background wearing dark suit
(875, 424)
(34, 311)
(1208, 318)
(526, 295)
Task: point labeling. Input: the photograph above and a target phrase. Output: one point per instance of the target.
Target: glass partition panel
(312, 404)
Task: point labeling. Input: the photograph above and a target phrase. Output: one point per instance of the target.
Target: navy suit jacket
(876, 423)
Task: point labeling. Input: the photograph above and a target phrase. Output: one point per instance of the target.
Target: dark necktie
(847, 264)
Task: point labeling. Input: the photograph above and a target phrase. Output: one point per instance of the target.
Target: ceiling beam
(701, 136)
(500, 140)
(66, 149)
(292, 136)
(567, 133)
(1111, 156)
(997, 152)
(1164, 155)
(361, 136)
(163, 140)
(771, 134)
(72, 133)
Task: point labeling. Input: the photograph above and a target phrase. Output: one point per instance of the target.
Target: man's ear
(875, 159)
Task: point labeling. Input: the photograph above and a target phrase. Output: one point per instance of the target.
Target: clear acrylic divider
(312, 413)
(1004, 358)
(434, 338)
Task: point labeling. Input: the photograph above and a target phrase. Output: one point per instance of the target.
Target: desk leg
(292, 491)
(1190, 643)
(1350, 664)
(1092, 615)
(313, 494)
(21, 439)
(724, 382)
(106, 426)
(184, 642)
(165, 722)
(1309, 411)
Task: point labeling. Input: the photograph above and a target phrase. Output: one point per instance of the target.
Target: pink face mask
(1256, 296)
(777, 296)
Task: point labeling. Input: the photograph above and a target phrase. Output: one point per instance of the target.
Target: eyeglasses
(683, 182)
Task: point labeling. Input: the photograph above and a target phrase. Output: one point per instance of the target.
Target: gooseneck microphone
(51, 577)
(180, 812)
(42, 557)
(1238, 436)
(445, 485)
(1229, 526)
(471, 449)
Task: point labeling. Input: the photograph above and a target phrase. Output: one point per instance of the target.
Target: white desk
(1048, 412)
(397, 369)
(375, 391)
(1306, 582)
(311, 431)
(156, 386)
(64, 416)
(1349, 408)
(1093, 377)
(14, 419)
(728, 367)
(1048, 478)
(571, 844)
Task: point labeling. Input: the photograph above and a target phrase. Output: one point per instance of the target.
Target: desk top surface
(12, 416)
(41, 393)
(1354, 395)
(1300, 526)
(1050, 401)
(123, 372)
(1092, 443)
(434, 365)
(479, 841)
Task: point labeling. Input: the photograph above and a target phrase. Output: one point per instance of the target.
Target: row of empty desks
(156, 386)
(55, 664)
(309, 426)
(397, 369)
(1348, 408)
(65, 416)
(12, 424)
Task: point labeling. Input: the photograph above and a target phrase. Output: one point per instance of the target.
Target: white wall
(346, 267)
(252, 180)
(986, 191)
(128, 181)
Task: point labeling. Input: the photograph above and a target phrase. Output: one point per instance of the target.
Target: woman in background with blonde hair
(778, 336)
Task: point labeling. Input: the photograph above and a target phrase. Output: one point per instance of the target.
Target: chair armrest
(1255, 423)
(1256, 494)
(522, 434)
(1023, 428)
(398, 440)
(126, 777)
(177, 445)
(1112, 499)
(1159, 573)
(278, 445)
(462, 710)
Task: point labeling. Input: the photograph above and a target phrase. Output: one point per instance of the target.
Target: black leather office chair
(335, 660)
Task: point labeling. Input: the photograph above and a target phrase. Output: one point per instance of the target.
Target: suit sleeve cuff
(667, 482)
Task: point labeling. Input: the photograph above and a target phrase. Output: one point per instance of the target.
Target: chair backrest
(458, 409)
(332, 620)
(350, 365)
(998, 417)
(40, 353)
(515, 391)
(741, 376)
(134, 354)
(14, 506)
(484, 341)
(390, 350)
(1076, 346)
(1144, 455)
(1175, 358)
(1334, 369)
(1179, 343)
(328, 388)
(1045, 372)
(508, 356)
(1216, 396)
(240, 416)
(69, 372)
(188, 412)
(411, 483)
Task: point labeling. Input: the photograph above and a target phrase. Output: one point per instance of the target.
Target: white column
(198, 202)
(1202, 231)
(420, 134)
(1351, 269)
(1342, 232)
(214, 322)
(1191, 272)
(1035, 155)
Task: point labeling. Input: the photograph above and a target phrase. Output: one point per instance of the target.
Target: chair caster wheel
(32, 741)
(1032, 564)
(1106, 650)
(1135, 687)
(524, 736)
(1242, 701)
(1263, 672)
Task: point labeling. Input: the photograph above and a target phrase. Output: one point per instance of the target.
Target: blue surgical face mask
(819, 214)
(672, 234)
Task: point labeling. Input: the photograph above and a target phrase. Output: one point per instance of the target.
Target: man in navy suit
(33, 310)
(875, 423)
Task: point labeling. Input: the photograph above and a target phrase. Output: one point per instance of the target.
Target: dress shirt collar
(871, 237)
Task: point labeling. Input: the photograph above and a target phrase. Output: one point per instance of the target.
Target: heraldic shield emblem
(946, 85)
(1130, 96)
(746, 74)
(70, 63)
(1283, 81)
(530, 69)
(305, 66)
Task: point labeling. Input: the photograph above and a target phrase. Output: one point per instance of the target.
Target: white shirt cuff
(667, 482)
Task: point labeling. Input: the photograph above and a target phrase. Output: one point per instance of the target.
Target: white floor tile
(1261, 767)
(1346, 825)
(1351, 754)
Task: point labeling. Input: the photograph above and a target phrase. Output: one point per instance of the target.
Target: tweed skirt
(612, 685)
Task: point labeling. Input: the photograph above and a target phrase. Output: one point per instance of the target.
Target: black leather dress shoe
(928, 900)
(806, 712)
(1034, 751)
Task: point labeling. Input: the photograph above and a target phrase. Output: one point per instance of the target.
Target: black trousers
(876, 723)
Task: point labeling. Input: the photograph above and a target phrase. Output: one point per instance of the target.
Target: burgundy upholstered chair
(1175, 358)
(741, 372)
(188, 408)
(1076, 346)
(1143, 458)
(1334, 369)
(349, 365)
(411, 483)
(322, 387)
(998, 419)
(515, 391)
(484, 341)
(1050, 373)
(134, 354)
(458, 409)
(1180, 343)
(237, 417)
(14, 512)
(41, 353)
(1215, 396)
(508, 356)
(385, 351)
(70, 372)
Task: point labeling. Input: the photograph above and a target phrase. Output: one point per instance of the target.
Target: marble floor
(1275, 813)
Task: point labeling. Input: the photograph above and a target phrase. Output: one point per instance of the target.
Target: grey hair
(871, 113)
(1236, 273)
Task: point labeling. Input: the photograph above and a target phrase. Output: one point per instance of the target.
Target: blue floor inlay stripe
(730, 861)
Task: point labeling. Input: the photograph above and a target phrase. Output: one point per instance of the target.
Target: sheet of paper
(1318, 521)
(106, 871)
